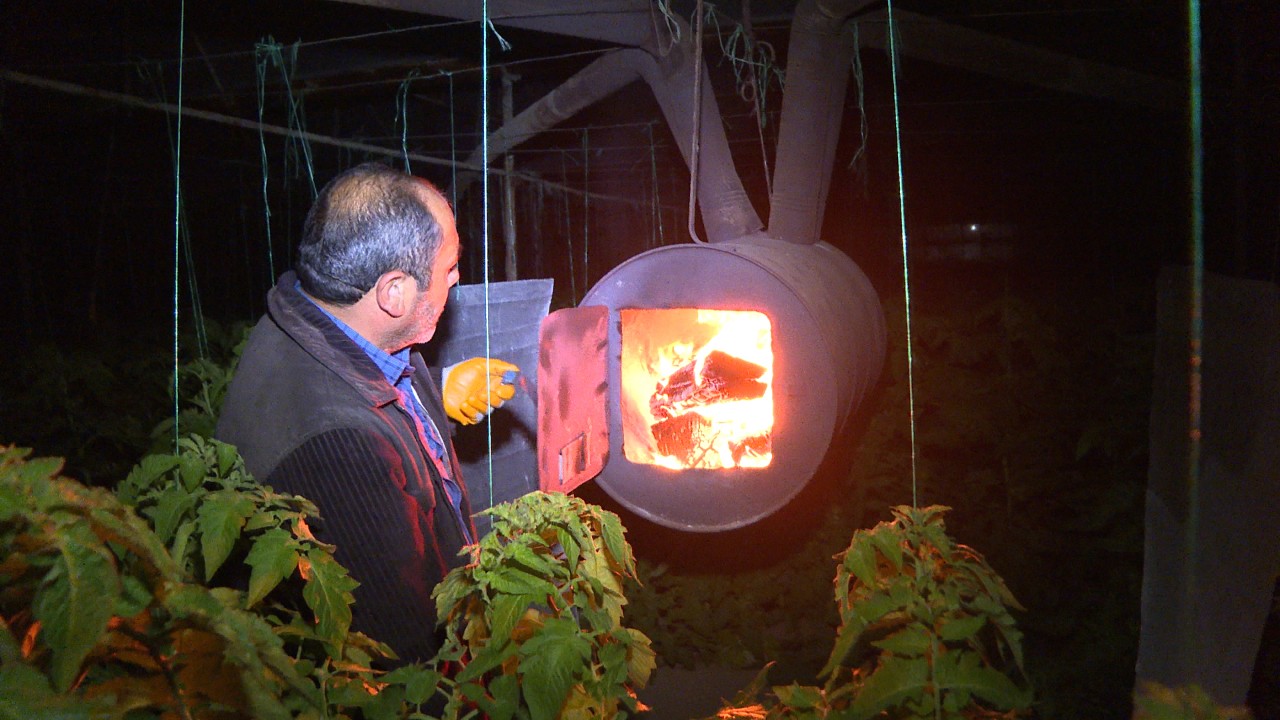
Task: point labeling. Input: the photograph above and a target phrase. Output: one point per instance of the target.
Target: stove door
(573, 397)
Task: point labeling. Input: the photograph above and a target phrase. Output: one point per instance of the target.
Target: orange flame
(728, 431)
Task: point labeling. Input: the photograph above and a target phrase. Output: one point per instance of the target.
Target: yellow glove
(470, 395)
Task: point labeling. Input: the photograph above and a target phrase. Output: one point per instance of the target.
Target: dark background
(1053, 206)
(1100, 186)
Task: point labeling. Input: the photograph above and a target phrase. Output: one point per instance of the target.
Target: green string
(1194, 435)
(453, 147)
(177, 215)
(261, 59)
(862, 103)
(657, 207)
(193, 287)
(906, 273)
(568, 232)
(586, 205)
(402, 117)
(297, 122)
(485, 25)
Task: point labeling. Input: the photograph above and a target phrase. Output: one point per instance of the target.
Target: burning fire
(697, 388)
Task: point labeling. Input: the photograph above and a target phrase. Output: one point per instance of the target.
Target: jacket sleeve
(382, 532)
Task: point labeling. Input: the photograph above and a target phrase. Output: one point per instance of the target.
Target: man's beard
(420, 330)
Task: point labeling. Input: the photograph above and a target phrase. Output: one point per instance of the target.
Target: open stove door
(573, 397)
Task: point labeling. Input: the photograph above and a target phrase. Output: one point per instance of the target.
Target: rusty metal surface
(573, 426)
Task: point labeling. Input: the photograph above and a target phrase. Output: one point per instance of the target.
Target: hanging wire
(694, 149)
(754, 63)
(860, 153)
(485, 25)
(669, 21)
(657, 206)
(453, 147)
(568, 232)
(402, 117)
(906, 274)
(193, 287)
(261, 60)
(586, 205)
(754, 69)
(534, 219)
(271, 49)
(1194, 435)
(177, 214)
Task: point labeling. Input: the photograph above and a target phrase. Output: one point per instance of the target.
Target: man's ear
(393, 291)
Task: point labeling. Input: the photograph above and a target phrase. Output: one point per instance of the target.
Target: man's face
(429, 302)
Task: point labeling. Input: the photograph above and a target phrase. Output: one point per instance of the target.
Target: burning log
(754, 446)
(686, 437)
(723, 378)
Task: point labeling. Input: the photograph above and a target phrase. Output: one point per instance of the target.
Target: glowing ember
(697, 388)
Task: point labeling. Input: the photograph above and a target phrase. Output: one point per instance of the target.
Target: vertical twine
(484, 153)
(586, 205)
(1196, 329)
(906, 273)
(177, 215)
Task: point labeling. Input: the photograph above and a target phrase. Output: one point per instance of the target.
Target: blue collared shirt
(398, 371)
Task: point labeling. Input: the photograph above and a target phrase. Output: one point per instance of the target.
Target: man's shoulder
(280, 396)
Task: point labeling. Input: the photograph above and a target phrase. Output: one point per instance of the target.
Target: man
(330, 402)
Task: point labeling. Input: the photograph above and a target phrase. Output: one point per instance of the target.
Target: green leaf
(220, 518)
(181, 538)
(144, 476)
(192, 471)
(250, 646)
(19, 681)
(910, 641)
(386, 705)
(962, 628)
(419, 682)
(227, 455)
(641, 660)
(514, 581)
(11, 502)
(134, 597)
(800, 697)
(117, 524)
(505, 611)
(550, 662)
(572, 552)
(846, 637)
(964, 670)
(328, 594)
(489, 657)
(170, 509)
(273, 557)
(894, 681)
(75, 601)
(612, 531)
(505, 693)
(38, 470)
(861, 561)
(890, 544)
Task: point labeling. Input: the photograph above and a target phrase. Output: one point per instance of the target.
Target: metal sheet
(573, 428)
(510, 319)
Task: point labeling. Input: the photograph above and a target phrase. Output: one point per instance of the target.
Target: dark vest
(312, 415)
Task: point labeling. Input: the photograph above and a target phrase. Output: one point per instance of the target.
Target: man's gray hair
(367, 221)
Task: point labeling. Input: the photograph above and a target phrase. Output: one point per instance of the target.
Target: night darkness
(1060, 203)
